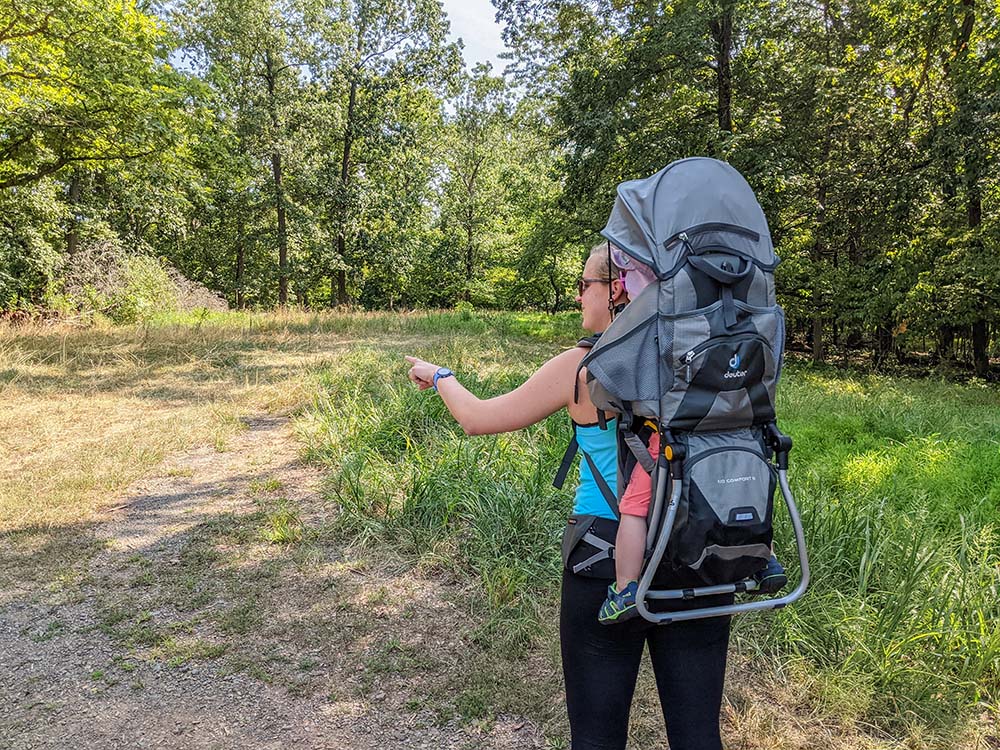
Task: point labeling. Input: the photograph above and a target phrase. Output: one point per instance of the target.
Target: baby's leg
(630, 546)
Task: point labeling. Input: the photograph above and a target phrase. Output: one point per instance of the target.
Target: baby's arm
(630, 544)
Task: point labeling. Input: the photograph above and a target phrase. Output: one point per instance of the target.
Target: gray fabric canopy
(690, 194)
(670, 354)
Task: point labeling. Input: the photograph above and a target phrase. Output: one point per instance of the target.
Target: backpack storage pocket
(723, 377)
(723, 530)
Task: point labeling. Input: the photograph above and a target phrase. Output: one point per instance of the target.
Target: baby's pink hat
(637, 275)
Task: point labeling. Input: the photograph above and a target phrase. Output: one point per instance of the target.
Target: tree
(257, 56)
(974, 56)
(472, 196)
(84, 88)
(397, 46)
(81, 82)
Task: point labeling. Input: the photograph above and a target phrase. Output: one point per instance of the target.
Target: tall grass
(538, 326)
(403, 471)
(898, 482)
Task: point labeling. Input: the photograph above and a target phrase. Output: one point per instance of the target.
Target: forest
(322, 153)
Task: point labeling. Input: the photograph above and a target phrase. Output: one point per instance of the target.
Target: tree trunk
(345, 176)
(470, 181)
(818, 348)
(819, 245)
(973, 160)
(282, 230)
(883, 342)
(557, 292)
(73, 230)
(946, 343)
(276, 173)
(341, 287)
(722, 33)
(341, 274)
(981, 348)
(241, 254)
(470, 256)
(959, 70)
(819, 351)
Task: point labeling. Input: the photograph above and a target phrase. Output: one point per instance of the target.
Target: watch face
(443, 372)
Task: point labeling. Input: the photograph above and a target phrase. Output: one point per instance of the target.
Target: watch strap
(443, 372)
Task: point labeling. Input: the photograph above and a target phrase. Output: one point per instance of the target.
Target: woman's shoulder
(563, 368)
(572, 356)
(581, 409)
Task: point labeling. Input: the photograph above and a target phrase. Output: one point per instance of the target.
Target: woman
(600, 664)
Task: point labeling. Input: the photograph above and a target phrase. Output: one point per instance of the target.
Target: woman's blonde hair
(607, 269)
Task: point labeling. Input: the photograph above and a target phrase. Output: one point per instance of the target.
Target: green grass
(898, 482)
(178, 652)
(524, 325)
(403, 471)
(282, 526)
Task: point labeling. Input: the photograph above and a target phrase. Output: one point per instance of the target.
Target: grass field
(897, 643)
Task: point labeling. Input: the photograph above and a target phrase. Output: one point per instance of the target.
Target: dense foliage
(319, 152)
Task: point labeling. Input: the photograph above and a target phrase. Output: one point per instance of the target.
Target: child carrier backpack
(697, 355)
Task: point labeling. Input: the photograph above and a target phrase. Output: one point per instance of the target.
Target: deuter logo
(734, 368)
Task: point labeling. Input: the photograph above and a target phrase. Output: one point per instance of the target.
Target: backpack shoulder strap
(599, 480)
(567, 461)
(635, 436)
(640, 450)
(588, 342)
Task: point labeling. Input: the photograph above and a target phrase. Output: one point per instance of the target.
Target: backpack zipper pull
(687, 361)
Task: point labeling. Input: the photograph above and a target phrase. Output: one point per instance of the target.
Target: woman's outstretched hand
(422, 373)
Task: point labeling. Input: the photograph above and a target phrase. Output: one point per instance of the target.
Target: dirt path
(205, 618)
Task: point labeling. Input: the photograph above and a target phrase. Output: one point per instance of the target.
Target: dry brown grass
(85, 412)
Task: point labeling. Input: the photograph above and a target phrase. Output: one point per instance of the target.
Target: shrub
(102, 278)
(146, 290)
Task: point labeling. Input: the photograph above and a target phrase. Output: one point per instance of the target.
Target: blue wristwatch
(443, 372)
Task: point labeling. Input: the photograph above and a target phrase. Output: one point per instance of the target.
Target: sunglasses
(583, 284)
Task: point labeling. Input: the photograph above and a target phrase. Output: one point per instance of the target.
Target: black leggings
(601, 663)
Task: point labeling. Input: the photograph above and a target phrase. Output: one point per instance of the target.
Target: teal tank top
(602, 446)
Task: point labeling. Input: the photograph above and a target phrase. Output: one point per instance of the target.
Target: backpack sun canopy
(696, 196)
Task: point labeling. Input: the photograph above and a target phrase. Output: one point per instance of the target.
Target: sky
(472, 20)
